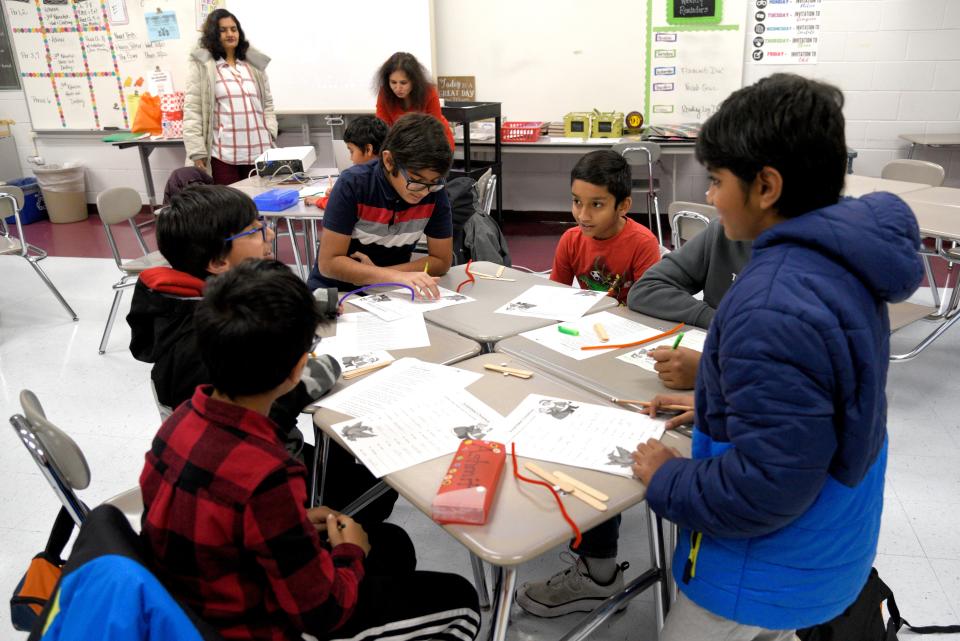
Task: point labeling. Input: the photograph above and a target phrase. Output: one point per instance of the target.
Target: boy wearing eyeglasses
(379, 210)
(206, 231)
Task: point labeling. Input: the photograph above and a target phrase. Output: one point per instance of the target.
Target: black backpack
(863, 621)
(467, 216)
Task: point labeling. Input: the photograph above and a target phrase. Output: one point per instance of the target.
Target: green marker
(568, 330)
(676, 343)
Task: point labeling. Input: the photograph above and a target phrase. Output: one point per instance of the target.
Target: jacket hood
(876, 237)
(254, 56)
(161, 311)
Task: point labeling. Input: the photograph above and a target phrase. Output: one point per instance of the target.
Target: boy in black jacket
(208, 230)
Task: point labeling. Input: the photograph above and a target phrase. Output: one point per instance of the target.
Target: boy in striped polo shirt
(378, 211)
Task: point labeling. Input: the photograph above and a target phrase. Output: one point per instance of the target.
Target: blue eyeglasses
(419, 185)
(262, 229)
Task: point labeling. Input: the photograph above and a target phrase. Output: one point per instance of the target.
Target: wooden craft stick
(519, 373)
(365, 370)
(499, 271)
(566, 486)
(668, 408)
(492, 277)
(580, 485)
(601, 332)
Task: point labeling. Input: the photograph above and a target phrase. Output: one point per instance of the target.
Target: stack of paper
(556, 303)
(396, 303)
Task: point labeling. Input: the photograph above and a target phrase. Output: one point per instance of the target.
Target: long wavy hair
(210, 36)
(408, 64)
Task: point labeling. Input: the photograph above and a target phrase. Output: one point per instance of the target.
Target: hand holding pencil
(667, 402)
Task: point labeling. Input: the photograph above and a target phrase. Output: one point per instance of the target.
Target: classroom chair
(645, 155)
(914, 171)
(118, 205)
(63, 464)
(688, 219)
(926, 173)
(11, 199)
(107, 591)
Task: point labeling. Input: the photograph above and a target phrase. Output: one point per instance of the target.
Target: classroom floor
(105, 403)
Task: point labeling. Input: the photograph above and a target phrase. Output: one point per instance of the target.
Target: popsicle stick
(366, 370)
(595, 493)
(519, 373)
(669, 407)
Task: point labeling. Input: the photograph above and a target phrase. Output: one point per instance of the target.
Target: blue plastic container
(33, 208)
(276, 199)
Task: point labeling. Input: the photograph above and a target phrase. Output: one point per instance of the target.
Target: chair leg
(56, 292)
(110, 319)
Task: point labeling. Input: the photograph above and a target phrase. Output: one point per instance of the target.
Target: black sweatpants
(396, 601)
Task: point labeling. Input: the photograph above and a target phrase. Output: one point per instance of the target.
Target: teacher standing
(403, 86)
(228, 117)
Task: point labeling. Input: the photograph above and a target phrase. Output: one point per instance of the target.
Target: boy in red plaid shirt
(224, 514)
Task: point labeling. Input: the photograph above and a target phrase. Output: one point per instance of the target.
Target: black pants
(347, 479)
(396, 601)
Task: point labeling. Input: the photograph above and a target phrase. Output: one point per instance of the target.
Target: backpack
(37, 584)
(476, 236)
(863, 620)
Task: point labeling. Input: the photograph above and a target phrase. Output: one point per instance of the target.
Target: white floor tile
(916, 588)
(936, 525)
(896, 534)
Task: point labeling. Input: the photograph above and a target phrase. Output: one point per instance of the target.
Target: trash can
(33, 207)
(64, 192)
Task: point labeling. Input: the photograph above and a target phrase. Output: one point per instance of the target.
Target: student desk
(445, 348)
(145, 147)
(525, 522)
(930, 140)
(602, 374)
(307, 214)
(477, 321)
(857, 186)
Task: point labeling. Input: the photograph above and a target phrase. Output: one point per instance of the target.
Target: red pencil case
(467, 489)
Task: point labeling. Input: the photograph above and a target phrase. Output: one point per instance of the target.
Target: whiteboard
(324, 54)
(84, 63)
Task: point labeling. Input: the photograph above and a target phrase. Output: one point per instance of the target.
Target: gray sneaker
(569, 590)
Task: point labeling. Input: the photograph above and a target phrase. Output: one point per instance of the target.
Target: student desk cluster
(524, 521)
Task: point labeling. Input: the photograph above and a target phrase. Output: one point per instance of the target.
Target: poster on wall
(785, 32)
(696, 58)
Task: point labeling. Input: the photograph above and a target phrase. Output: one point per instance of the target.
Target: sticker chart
(574, 433)
(619, 330)
(693, 339)
(555, 303)
(420, 429)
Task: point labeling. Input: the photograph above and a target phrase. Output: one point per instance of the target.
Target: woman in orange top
(403, 85)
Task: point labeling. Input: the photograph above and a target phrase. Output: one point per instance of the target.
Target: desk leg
(310, 236)
(658, 559)
(504, 586)
(147, 175)
(480, 581)
(292, 230)
(321, 446)
(913, 148)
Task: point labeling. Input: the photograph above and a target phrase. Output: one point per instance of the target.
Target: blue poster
(162, 25)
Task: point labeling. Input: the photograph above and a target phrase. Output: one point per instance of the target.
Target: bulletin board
(84, 63)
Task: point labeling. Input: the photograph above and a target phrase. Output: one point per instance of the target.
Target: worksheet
(393, 385)
(366, 332)
(420, 429)
(395, 304)
(574, 433)
(556, 303)
(693, 339)
(568, 337)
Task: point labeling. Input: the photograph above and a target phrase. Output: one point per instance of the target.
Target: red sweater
(388, 111)
(615, 262)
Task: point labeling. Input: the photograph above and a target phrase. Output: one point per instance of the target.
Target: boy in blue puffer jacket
(780, 506)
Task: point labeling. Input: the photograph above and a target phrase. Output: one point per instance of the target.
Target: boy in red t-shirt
(606, 251)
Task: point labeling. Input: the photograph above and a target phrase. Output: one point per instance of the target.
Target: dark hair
(605, 168)
(417, 142)
(366, 130)
(253, 325)
(787, 122)
(191, 229)
(210, 35)
(416, 73)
